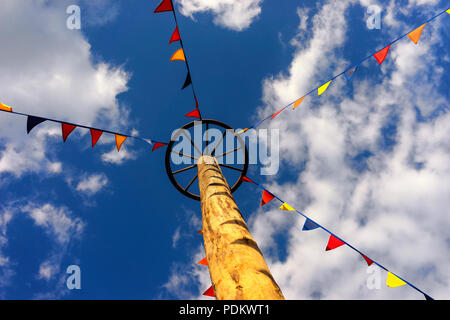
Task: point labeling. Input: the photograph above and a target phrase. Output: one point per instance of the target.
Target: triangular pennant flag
(427, 297)
(150, 142)
(33, 121)
(415, 35)
(246, 179)
(277, 113)
(322, 88)
(286, 207)
(67, 129)
(242, 131)
(187, 82)
(381, 55)
(349, 73)
(178, 55)
(448, 11)
(333, 243)
(209, 292)
(4, 107)
(95, 135)
(120, 140)
(297, 103)
(266, 197)
(310, 225)
(369, 262)
(175, 36)
(165, 5)
(203, 262)
(394, 281)
(194, 114)
(158, 145)
(200, 231)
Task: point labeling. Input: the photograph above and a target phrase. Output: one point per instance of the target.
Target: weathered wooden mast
(236, 265)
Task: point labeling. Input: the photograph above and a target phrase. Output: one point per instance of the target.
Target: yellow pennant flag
(323, 88)
(394, 281)
(4, 107)
(415, 35)
(297, 103)
(448, 11)
(120, 140)
(242, 131)
(178, 55)
(286, 207)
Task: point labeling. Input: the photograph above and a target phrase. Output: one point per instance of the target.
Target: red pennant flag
(277, 113)
(175, 36)
(203, 262)
(266, 197)
(193, 114)
(381, 55)
(66, 129)
(209, 292)
(158, 145)
(333, 243)
(95, 135)
(246, 179)
(165, 5)
(369, 262)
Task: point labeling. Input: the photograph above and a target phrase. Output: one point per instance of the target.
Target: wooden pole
(236, 265)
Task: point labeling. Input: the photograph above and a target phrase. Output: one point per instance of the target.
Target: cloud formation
(232, 14)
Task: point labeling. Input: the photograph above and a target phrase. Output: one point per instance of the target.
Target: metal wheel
(199, 138)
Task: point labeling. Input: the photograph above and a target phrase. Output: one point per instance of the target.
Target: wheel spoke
(184, 169)
(185, 155)
(220, 141)
(228, 152)
(230, 167)
(190, 183)
(193, 144)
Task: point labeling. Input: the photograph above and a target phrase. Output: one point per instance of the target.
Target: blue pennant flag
(349, 73)
(310, 225)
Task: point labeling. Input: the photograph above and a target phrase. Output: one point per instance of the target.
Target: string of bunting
(380, 56)
(180, 55)
(334, 241)
(68, 127)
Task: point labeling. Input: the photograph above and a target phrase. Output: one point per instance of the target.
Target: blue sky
(368, 159)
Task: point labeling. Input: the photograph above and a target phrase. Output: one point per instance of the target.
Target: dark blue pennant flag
(33, 121)
(309, 225)
(349, 73)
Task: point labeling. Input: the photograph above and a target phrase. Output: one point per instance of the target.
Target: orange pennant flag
(209, 292)
(297, 103)
(203, 262)
(415, 35)
(4, 107)
(178, 56)
(120, 140)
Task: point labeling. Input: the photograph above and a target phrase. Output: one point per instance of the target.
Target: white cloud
(116, 157)
(48, 70)
(92, 184)
(233, 14)
(395, 207)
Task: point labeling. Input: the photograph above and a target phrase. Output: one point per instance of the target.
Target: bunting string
(379, 56)
(335, 241)
(180, 55)
(67, 128)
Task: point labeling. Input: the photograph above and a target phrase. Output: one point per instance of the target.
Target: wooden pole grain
(237, 267)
